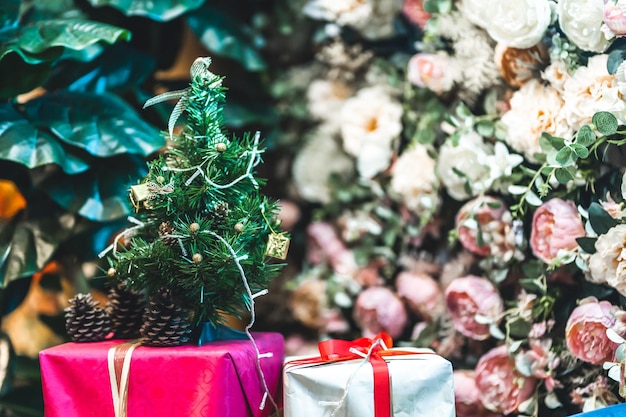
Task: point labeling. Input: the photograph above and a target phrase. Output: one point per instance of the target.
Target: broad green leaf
(556, 142)
(533, 199)
(9, 13)
(605, 122)
(117, 69)
(159, 10)
(617, 54)
(101, 193)
(585, 136)
(221, 34)
(30, 75)
(600, 220)
(76, 34)
(26, 245)
(103, 125)
(485, 129)
(22, 142)
(588, 244)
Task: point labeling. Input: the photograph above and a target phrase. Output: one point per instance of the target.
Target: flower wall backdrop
(464, 163)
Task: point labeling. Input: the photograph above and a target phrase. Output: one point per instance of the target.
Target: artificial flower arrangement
(471, 196)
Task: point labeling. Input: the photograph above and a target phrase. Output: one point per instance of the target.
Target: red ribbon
(335, 350)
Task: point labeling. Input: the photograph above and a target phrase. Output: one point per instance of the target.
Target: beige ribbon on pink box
(118, 359)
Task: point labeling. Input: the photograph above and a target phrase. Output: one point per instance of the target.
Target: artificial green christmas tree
(203, 230)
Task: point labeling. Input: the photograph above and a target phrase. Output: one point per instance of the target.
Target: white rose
(556, 74)
(581, 21)
(370, 124)
(326, 98)
(592, 89)
(520, 23)
(535, 108)
(608, 264)
(414, 180)
(470, 157)
(474, 11)
(310, 176)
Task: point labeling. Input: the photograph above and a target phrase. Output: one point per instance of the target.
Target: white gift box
(421, 385)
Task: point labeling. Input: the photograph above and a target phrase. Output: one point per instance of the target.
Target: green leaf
(565, 156)
(533, 199)
(99, 194)
(605, 122)
(103, 125)
(580, 150)
(563, 175)
(600, 220)
(617, 54)
(238, 114)
(485, 129)
(9, 13)
(76, 34)
(31, 75)
(588, 244)
(22, 142)
(159, 10)
(223, 35)
(545, 142)
(25, 246)
(585, 136)
(518, 328)
(556, 142)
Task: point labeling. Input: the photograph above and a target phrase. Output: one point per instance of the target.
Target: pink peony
(431, 71)
(421, 293)
(325, 245)
(467, 396)
(615, 16)
(501, 385)
(470, 296)
(585, 332)
(414, 11)
(378, 309)
(556, 225)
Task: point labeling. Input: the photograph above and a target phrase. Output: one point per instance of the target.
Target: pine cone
(84, 321)
(165, 324)
(125, 307)
(166, 229)
(220, 212)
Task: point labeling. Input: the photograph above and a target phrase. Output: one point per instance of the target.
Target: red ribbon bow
(374, 349)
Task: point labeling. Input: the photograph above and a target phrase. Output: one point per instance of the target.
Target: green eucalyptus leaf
(580, 150)
(26, 245)
(159, 10)
(617, 55)
(22, 142)
(223, 35)
(556, 142)
(533, 199)
(585, 136)
(102, 124)
(565, 156)
(74, 34)
(563, 175)
(600, 220)
(588, 244)
(101, 193)
(605, 122)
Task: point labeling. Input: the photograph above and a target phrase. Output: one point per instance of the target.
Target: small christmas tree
(203, 230)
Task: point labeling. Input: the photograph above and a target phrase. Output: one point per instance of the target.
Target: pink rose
(378, 309)
(488, 218)
(421, 293)
(467, 396)
(585, 332)
(414, 11)
(556, 225)
(615, 16)
(431, 71)
(470, 296)
(325, 245)
(500, 384)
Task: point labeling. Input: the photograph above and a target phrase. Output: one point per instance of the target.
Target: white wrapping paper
(421, 386)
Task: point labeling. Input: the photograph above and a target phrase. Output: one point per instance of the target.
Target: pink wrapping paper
(218, 379)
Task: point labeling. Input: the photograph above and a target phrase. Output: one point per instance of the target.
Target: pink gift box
(217, 379)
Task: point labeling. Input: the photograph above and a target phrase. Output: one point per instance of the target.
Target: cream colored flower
(608, 264)
(474, 11)
(465, 165)
(581, 21)
(592, 89)
(556, 74)
(310, 176)
(370, 124)
(414, 180)
(520, 23)
(326, 97)
(535, 108)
